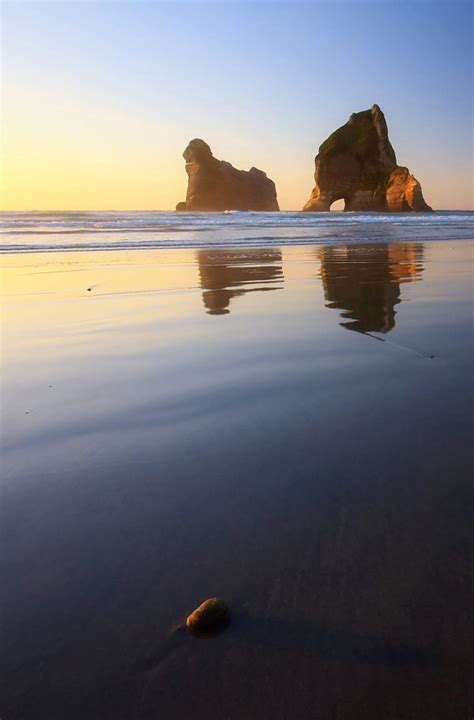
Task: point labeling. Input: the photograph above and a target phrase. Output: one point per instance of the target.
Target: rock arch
(357, 162)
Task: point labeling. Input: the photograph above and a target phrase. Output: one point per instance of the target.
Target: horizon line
(221, 212)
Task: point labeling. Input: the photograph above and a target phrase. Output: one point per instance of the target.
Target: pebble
(210, 616)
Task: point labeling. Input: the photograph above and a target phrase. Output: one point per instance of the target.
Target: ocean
(46, 231)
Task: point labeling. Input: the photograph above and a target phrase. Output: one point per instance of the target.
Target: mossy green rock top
(357, 163)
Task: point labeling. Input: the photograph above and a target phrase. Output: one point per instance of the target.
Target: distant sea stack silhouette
(215, 185)
(357, 163)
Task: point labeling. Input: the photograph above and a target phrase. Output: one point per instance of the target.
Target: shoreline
(122, 231)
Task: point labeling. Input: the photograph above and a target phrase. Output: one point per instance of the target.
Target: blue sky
(100, 99)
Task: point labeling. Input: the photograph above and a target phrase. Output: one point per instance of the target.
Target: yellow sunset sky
(99, 101)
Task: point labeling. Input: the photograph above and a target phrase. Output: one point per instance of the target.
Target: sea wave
(52, 231)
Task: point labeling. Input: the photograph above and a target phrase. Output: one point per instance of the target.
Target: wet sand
(286, 429)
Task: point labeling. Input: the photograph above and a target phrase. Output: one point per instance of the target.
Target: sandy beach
(287, 428)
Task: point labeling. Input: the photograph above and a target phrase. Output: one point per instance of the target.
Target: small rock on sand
(210, 616)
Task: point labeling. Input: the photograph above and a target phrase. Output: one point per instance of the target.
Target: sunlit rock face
(215, 185)
(404, 192)
(357, 163)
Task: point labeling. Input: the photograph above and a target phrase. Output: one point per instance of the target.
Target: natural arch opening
(338, 205)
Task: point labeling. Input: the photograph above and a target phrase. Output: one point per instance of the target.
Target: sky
(99, 99)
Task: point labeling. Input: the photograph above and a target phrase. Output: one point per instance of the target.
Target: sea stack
(357, 163)
(215, 185)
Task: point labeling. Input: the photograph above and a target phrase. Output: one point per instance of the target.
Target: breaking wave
(53, 231)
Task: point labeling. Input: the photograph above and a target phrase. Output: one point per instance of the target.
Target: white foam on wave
(48, 231)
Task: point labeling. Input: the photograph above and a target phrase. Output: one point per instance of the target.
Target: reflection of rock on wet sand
(226, 274)
(365, 281)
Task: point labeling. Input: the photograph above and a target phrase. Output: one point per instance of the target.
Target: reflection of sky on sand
(140, 337)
